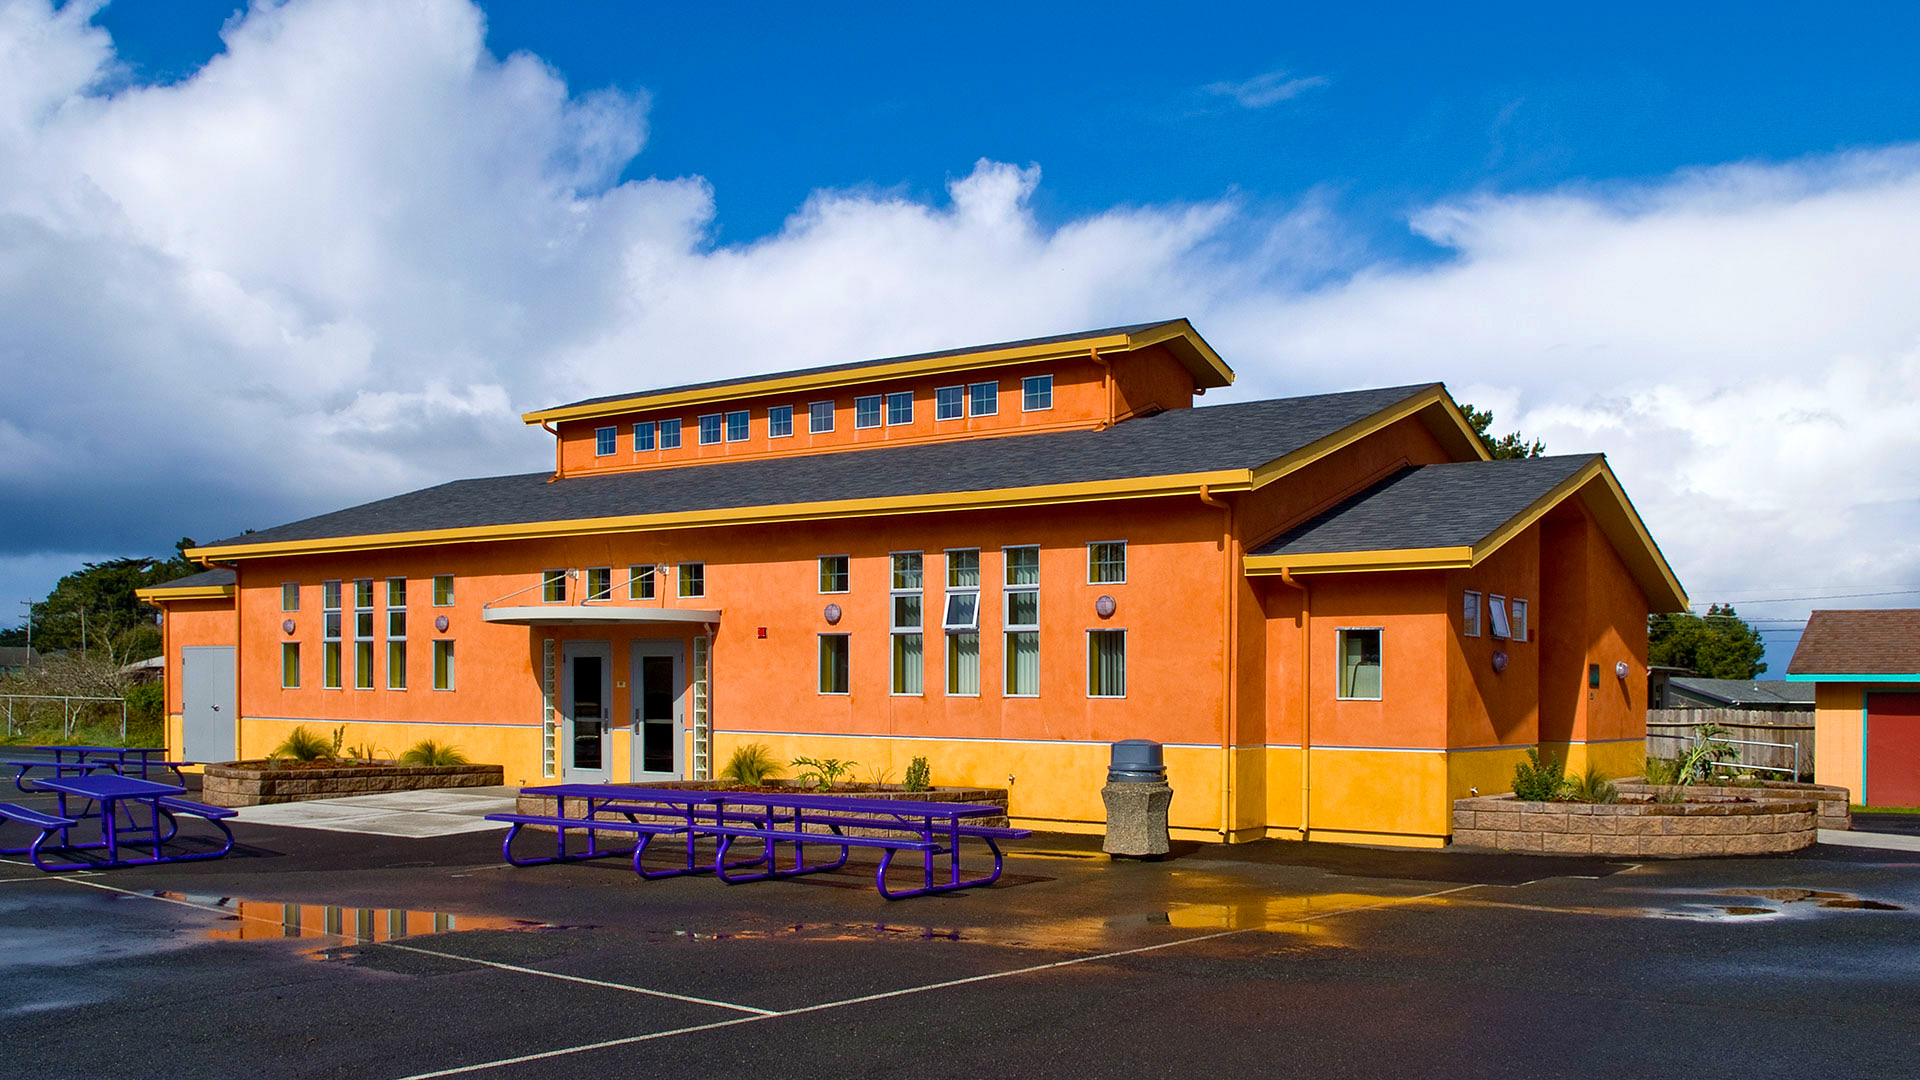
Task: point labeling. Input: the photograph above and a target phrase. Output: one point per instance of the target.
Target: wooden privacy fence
(1670, 732)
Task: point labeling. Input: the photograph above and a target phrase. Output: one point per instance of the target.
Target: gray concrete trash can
(1137, 798)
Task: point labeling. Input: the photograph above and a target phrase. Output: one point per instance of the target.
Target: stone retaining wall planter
(1833, 803)
(257, 783)
(543, 805)
(1712, 826)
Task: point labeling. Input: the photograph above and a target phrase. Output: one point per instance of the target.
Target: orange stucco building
(1334, 611)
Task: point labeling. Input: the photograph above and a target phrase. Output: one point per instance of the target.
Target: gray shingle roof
(1737, 692)
(204, 579)
(1453, 505)
(858, 364)
(1178, 441)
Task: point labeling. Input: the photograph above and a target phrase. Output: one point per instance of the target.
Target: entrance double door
(657, 693)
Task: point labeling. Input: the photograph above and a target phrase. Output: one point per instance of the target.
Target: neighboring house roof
(151, 663)
(1737, 693)
(13, 656)
(1457, 514)
(1225, 447)
(1177, 336)
(1859, 645)
(205, 585)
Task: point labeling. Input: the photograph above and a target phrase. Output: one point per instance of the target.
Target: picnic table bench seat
(188, 806)
(48, 824)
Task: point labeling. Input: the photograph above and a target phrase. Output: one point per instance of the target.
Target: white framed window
(899, 408)
(1497, 615)
(779, 421)
(1107, 562)
(397, 633)
(289, 596)
(1036, 393)
(950, 403)
(833, 573)
(819, 417)
(1021, 621)
(1519, 619)
(710, 425)
(669, 434)
(640, 582)
(553, 586)
(363, 634)
(443, 590)
(1470, 614)
(442, 664)
(599, 582)
(693, 579)
(833, 663)
(605, 441)
(907, 623)
(1106, 663)
(330, 634)
(289, 665)
(866, 411)
(739, 425)
(961, 620)
(1358, 651)
(643, 437)
(983, 398)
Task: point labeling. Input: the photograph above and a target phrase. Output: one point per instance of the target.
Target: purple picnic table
(115, 792)
(767, 820)
(84, 760)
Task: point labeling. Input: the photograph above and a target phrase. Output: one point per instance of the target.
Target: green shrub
(429, 752)
(303, 745)
(1592, 786)
(1708, 751)
(751, 764)
(822, 773)
(919, 777)
(145, 702)
(1659, 770)
(1537, 782)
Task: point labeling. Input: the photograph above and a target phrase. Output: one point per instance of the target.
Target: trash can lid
(1137, 754)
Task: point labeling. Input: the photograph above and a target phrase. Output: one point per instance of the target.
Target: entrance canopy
(595, 615)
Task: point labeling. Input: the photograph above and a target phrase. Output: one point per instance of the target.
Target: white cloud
(339, 260)
(1267, 88)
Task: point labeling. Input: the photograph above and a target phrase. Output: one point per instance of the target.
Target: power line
(1821, 596)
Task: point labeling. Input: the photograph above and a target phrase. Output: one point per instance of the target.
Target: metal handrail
(1695, 739)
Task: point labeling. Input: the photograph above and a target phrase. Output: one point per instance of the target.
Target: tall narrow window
(909, 663)
(833, 573)
(1470, 614)
(553, 586)
(950, 403)
(983, 398)
(640, 582)
(900, 408)
(605, 440)
(600, 583)
(1106, 663)
(1023, 621)
(330, 635)
(1036, 393)
(669, 434)
(819, 417)
(363, 634)
(397, 633)
(779, 421)
(833, 663)
(1519, 619)
(710, 429)
(961, 620)
(866, 411)
(643, 437)
(1497, 615)
(1359, 656)
(693, 579)
(739, 425)
(290, 665)
(1107, 562)
(443, 590)
(290, 596)
(443, 665)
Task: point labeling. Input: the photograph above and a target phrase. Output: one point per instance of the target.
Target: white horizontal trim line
(1596, 742)
(403, 723)
(954, 738)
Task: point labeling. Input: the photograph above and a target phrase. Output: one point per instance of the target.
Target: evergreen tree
(1718, 645)
(1510, 445)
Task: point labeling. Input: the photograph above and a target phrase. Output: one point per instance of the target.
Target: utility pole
(29, 660)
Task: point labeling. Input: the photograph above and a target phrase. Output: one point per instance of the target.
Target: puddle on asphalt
(1792, 901)
(273, 920)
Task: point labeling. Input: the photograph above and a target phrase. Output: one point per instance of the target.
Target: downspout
(1228, 624)
(559, 467)
(1106, 381)
(239, 666)
(1306, 694)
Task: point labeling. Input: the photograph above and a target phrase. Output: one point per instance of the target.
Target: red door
(1893, 750)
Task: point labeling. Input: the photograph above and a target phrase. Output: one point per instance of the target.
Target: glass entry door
(586, 699)
(659, 710)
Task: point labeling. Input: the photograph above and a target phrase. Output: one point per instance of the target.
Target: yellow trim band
(160, 594)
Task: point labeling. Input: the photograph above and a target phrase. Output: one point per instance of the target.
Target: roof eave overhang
(1852, 678)
(1433, 406)
(160, 594)
(1218, 481)
(1177, 337)
(596, 615)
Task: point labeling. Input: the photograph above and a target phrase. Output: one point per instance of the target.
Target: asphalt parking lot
(1275, 959)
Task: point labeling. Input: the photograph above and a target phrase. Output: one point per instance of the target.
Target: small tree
(1511, 445)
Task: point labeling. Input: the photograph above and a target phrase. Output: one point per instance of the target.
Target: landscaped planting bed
(1830, 802)
(257, 783)
(1747, 822)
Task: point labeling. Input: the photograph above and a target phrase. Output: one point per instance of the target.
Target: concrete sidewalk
(444, 812)
(1879, 840)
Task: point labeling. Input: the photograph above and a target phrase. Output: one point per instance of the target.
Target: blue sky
(346, 242)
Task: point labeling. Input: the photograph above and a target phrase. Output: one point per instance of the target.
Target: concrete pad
(1882, 841)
